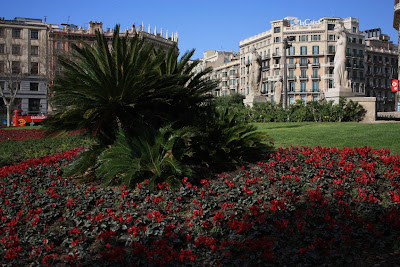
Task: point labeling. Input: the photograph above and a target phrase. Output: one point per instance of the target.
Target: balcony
(276, 54)
(291, 66)
(315, 77)
(303, 78)
(275, 66)
(315, 65)
(291, 78)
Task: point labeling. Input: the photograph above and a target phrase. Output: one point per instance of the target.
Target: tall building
(381, 68)
(225, 66)
(29, 48)
(23, 62)
(309, 59)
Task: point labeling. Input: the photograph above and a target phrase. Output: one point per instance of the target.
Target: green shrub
(131, 160)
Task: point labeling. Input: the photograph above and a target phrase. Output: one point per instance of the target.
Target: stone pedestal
(336, 93)
(250, 99)
(369, 104)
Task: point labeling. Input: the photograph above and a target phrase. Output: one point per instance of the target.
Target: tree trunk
(8, 115)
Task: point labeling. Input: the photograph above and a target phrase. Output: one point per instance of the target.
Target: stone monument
(254, 80)
(342, 86)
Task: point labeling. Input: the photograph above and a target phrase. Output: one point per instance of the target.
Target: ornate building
(381, 58)
(309, 57)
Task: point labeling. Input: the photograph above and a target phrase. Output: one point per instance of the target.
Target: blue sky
(203, 24)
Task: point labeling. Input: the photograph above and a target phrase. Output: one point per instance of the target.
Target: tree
(11, 77)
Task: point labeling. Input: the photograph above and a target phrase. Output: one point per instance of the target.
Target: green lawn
(338, 134)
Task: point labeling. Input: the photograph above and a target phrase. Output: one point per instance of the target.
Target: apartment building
(309, 59)
(225, 65)
(29, 50)
(23, 62)
(381, 59)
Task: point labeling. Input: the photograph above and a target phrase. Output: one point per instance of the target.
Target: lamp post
(286, 45)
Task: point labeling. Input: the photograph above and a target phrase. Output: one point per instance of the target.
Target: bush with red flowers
(301, 206)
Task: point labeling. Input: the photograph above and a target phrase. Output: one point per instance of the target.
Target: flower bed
(301, 206)
(20, 134)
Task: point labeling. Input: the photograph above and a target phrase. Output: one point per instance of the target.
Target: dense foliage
(125, 90)
(22, 144)
(302, 206)
(316, 111)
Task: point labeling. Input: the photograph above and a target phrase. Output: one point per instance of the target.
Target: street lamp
(286, 45)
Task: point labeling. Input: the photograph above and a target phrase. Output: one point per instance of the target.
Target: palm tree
(126, 85)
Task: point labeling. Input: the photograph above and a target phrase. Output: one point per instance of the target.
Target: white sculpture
(277, 91)
(255, 73)
(339, 72)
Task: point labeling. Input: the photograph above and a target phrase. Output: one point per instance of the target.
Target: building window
(16, 67)
(15, 85)
(232, 82)
(34, 68)
(302, 86)
(34, 50)
(232, 72)
(16, 50)
(291, 73)
(224, 74)
(315, 86)
(331, 27)
(304, 98)
(316, 37)
(34, 104)
(303, 38)
(224, 83)
(291, 60)
(354, 29)
(34, 34)
(291, 86)
(2, 48)
(277, 39)
(331, 49)
(330, 83)
(303, 61)
(331, 37)
(2, 32)
(277, 29)
(34, 86)
(315, 50)
(16, 33)
(291, 100)
(315, 98)
(58, 45)
(315, 60)
(2, 64)
(303, 50)
(315, 73)
(292, 51)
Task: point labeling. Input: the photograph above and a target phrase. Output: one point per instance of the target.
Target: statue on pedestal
(255, 73)
(339, 72)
